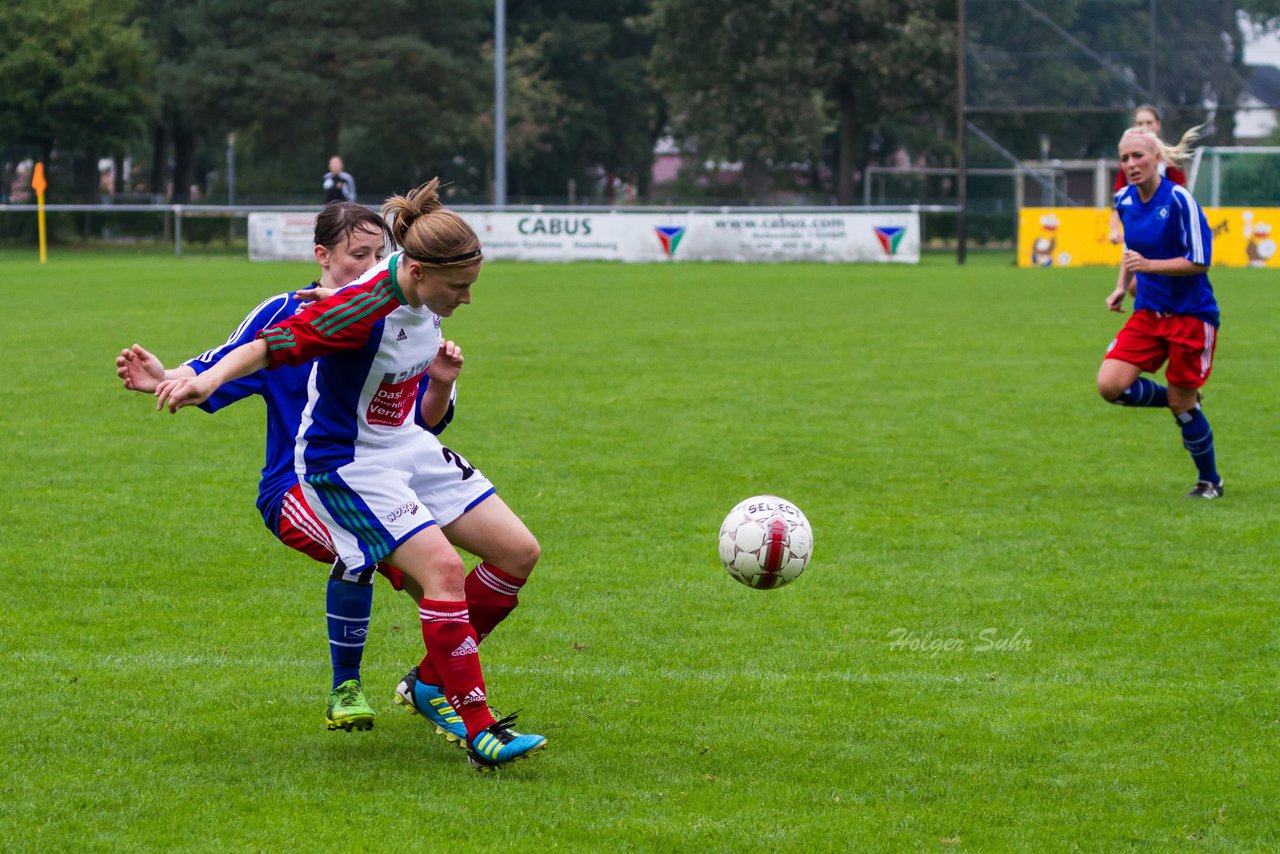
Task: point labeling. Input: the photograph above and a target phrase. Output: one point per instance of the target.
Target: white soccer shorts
(373, 504)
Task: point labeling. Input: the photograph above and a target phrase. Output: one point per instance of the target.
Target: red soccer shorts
(299, 529)
(1149, 338)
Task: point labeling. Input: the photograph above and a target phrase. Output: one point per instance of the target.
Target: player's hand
(1116, 236)
(1131, 262)
(187, 391)
(447, 364)
(138, 369)
(1115, 301)
(314, 294)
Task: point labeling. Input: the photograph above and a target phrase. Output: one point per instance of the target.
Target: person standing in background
(339, 186)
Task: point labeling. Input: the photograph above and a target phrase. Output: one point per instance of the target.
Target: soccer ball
(765, 542)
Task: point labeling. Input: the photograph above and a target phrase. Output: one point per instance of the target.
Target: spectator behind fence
(339, 186)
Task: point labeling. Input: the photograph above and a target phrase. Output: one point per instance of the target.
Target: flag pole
(39, 185)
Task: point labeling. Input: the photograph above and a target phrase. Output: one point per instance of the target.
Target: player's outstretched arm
(192, 391)
(139, 370)
(443, 371)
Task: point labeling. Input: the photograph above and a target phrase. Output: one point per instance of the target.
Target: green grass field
(1091, 661)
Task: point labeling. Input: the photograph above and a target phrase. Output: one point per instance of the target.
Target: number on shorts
(457, 459)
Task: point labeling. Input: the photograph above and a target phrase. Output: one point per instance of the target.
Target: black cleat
(1205, 489)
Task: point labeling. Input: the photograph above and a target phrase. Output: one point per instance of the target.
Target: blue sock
(1144, 392)
(1197, 438)
(347, 607)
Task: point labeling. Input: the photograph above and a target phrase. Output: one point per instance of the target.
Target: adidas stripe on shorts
(373, 504)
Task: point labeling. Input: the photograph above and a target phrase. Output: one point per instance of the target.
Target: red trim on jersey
(344, 321)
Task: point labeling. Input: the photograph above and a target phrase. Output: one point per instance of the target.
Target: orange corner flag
(39, 185)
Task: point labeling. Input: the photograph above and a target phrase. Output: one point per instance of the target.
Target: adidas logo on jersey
(467, 647)
(400, 336)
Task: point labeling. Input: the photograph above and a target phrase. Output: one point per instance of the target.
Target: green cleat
(348, 709)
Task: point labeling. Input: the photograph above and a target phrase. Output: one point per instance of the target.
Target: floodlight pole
(231, 168)
(1151, 53)
(962, 140)
(500, 103)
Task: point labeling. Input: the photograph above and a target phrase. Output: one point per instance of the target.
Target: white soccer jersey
(361, 397)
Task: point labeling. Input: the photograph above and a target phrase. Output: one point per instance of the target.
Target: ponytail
(429, 232)
(1174, 155)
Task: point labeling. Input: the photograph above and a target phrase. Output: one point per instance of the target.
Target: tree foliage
(76, 79)
(1094, 60)
(770, 81)
(580, 94)
(403, 90)
(883, 66)
(741, 80)
(395, 88)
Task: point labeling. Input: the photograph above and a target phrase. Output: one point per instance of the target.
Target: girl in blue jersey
(384, 489)
(349, 240)
(1147, 117)
(1168, 249)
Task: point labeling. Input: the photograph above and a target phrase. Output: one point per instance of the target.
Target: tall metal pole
(231, 168)
(1151, 55)
(962, 141)
(500, 103)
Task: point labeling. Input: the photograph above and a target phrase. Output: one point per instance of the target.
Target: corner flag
(39, 185)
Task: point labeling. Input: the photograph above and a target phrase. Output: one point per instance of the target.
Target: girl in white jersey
(385, 489)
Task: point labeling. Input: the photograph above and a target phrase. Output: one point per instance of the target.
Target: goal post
(1235, 175)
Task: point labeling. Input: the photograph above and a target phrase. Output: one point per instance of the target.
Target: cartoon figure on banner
(1046, 242)
(1260, 247)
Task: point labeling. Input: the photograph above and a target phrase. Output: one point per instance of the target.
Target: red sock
(491, 596)
(452, 649)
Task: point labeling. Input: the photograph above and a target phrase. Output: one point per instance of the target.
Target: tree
(880, 62)
(77, 83)
(1094, 61)
(395, 88)
(741, 81)
(581, 96)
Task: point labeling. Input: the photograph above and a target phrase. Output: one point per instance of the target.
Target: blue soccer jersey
(285, 393)
(1169, 225)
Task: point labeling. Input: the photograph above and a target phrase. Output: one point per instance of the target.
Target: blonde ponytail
(1174, 155)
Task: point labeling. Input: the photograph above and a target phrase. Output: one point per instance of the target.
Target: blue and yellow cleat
(498, 744)
(348, 709)
(429, 701)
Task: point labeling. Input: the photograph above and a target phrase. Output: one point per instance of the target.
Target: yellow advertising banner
(1079, 237)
